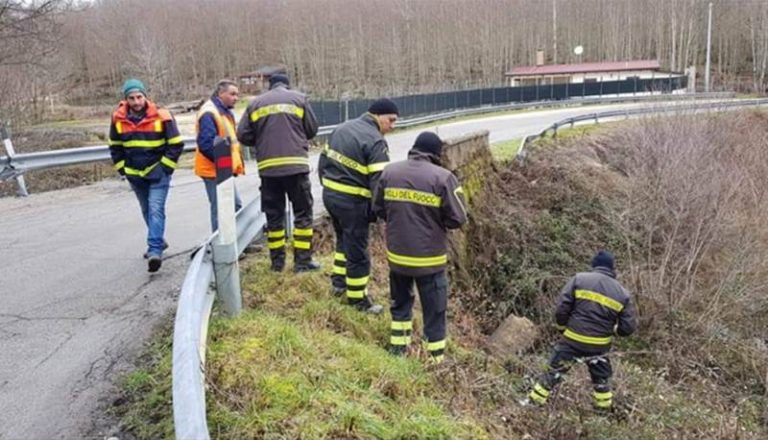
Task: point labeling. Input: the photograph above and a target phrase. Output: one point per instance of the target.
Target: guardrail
(522, 151)
(13, 165)
(190, 329)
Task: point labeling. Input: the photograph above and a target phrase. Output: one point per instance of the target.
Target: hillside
(681, 201)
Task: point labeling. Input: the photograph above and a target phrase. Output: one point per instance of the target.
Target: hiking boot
(397, 350)
(165, 246)
(338, 291)
(365, 305)
(311, 266)
(153, 263)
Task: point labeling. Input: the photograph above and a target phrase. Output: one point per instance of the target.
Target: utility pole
(554, 31)
(709, 50)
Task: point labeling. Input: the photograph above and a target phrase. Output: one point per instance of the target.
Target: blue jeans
(210, 190)
(152, 195)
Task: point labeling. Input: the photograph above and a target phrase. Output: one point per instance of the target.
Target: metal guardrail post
(224, 246)
(6, 135)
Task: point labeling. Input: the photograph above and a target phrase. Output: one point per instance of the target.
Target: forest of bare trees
(359, 47)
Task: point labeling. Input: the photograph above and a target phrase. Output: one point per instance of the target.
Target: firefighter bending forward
(592, 304)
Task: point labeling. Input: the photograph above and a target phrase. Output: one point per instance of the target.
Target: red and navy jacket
(144, 146)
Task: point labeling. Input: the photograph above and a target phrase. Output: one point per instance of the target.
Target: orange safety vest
(224, 127)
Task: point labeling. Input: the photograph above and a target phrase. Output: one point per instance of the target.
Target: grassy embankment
(678, 200)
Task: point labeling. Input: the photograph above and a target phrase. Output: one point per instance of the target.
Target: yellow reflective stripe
(339, 270)
(456, 192)
(355, 294)
(401, 325)
(399, 340)
(168, 162)
(346, 161)
(301, 244)
(403, 260)
(536, 397)
(140, 173)
(276, 108)
(543, 392)
(159, 126)
(412, 196)
(346, 189)
(282, 161)
(119, 127)
(437, 345)
(593, 340)
(144, 144)
(303, 232)
(339, 256)
(115, 143)
(119, 164)
(276, 244)
(276, 234)
(175, 140)
(602, 396)
(357, 282)
(436, 359)
(376, 167)
(600, 299)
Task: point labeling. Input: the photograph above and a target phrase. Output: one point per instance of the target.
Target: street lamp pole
(709, 50)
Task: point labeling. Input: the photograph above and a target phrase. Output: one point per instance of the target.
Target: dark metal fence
(334, 112)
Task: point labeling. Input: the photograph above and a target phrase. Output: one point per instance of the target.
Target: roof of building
(608, 66)
(265, 71)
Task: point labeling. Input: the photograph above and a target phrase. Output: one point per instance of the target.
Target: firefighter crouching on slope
(349, 169)
(145, 146)
(419, 200)
(279, 124)
(591, 305)
(215, 118)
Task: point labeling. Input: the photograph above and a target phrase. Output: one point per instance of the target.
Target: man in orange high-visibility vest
(215, 118)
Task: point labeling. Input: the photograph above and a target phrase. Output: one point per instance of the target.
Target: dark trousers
(433, 294)
(563, 358)
(299, 191)
(352, 264)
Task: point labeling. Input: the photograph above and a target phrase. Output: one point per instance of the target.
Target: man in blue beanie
(420, 201)
(593, 306)
(145, 145)
(349, 169)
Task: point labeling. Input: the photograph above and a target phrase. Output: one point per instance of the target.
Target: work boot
(154, 262)
(165, 246)
(397, 350)
(367, 306)
(310, 266)
(277, 266)
(338, 291)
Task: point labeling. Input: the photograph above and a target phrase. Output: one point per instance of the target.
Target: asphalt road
(78, 303)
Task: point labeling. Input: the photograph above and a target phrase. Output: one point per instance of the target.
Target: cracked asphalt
(78, 303)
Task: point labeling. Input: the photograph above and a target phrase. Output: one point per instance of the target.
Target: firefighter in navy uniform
(419, 200)
(593, 306)
(349, 168)
(279, 125)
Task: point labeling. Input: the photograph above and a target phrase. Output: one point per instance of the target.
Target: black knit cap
(603, 258)
(383, 106)
(278, 78)
(428, 142)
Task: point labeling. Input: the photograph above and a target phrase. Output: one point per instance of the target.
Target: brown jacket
(419, 201)
(279, 124)
(591, 304)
